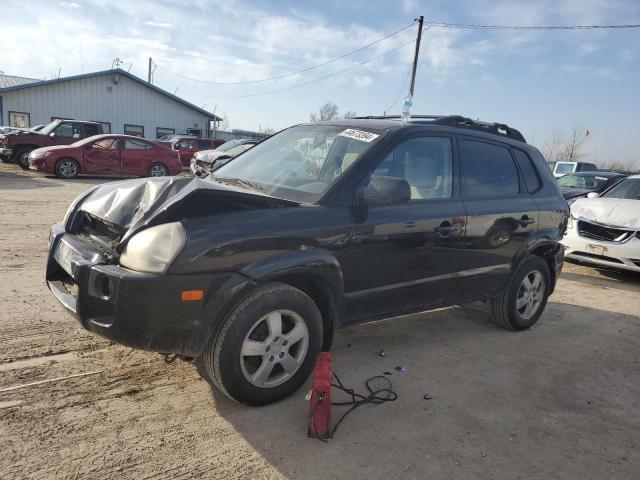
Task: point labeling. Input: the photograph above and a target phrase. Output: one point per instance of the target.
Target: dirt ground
(561, 401)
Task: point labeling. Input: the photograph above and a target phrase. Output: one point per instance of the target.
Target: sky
(535, 81)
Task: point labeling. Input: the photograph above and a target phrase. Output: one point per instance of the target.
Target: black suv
(318, 227)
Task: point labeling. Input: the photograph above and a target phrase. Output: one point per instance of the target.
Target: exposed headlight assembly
(153, 249)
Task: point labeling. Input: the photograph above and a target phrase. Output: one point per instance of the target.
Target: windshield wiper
(239, 182)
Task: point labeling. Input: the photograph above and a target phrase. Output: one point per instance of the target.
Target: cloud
(151, 23)
(70, 4)
(363, 82)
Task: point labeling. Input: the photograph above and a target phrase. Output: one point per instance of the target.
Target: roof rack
(456, 121)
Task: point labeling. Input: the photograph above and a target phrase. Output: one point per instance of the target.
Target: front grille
(600, 232)
(597, 257)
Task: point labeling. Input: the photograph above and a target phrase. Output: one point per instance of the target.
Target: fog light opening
(104, 286)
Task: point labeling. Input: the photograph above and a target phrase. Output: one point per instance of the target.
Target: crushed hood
(614, 212)
(132, 205)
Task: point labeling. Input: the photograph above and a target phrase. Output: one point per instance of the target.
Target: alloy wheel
(68, 169)
(530, 294)
(274, 348)
(158, 171)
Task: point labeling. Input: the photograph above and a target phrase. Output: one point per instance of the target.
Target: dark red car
(187, 145)
(120, 155)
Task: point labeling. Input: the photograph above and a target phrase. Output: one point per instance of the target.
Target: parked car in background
(577, 185)
(563, 168)
(255, 266)
(187, 146)
(6, 129)
(605, 230)
(207, 161)
(119, 155)
(16, 146)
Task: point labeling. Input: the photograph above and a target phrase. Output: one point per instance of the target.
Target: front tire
(267, 345)
(22, 157)
(520, 306)
(67, 168)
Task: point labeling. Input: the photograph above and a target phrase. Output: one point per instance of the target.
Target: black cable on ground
(375, 397)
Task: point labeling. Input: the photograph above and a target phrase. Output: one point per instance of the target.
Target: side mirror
(52, 134)
(593, 195)
(386, 191)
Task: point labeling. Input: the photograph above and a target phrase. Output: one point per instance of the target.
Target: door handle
(446, 228)
(524, 221)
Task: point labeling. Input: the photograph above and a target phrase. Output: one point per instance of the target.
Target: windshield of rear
(629, 189)
(593, 182)
(563, 168)
(228, 145)
(300, 163)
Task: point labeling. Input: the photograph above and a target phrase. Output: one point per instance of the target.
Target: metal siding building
(113, 97)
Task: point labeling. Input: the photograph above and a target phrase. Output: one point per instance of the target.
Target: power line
(304, 83)
(290, 73)
(404, 84)
(528, 27)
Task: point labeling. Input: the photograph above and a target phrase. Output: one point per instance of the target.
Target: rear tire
(522, 303)
(157, 170)
(267, 345)
(67, 168)
(22, 157)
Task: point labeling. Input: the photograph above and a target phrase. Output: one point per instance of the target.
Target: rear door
(501, 216)
(405, 257)
(137, 156)
(102, 157)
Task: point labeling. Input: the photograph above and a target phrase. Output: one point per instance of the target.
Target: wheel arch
(317, 273)
(548, 250)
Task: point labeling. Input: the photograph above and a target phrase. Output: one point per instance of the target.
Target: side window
(106, 144)
(130, 144)
(90, 130)
(425, 163)
(68, 130)
(528, 170)
(487, 170)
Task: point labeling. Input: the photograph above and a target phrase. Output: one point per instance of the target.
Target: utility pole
(149, 77)
(415, 57)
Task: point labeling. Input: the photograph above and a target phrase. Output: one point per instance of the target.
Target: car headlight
(153, 249)
(571, 200)
(570, 222)
(47, 153)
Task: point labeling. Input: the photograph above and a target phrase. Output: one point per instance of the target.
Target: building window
(135, 130)
(19, 119)
(161, 131)
(106, 126)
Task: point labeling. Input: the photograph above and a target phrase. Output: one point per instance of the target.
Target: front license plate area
(597, 250)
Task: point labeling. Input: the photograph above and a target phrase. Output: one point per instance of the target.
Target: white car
(605, 230)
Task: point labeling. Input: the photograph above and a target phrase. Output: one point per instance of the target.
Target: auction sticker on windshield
(359, 135)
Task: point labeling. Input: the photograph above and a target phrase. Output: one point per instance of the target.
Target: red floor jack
(320, 402)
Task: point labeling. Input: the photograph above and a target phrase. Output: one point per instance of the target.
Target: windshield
(49, 128)
(167, 138)
(228, 145)
(300, 163)
(562, 167)
(629, 189)
(594, 182)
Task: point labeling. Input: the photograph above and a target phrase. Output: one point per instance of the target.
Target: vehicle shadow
(471, 392)
(610, 278)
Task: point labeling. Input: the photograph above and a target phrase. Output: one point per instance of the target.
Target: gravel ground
(559, 401)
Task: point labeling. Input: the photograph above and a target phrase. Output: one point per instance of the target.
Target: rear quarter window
(528, 171)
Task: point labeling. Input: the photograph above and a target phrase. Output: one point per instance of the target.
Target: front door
(67, 133)
(185, 148)
(501, 216)
(405, 257)
(102, 157)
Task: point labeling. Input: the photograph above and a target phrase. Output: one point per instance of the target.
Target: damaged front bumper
(139, 310)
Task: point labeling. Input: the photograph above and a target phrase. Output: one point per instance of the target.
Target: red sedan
(120, 155)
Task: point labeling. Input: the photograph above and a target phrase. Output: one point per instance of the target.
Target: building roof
(8, 81)
(31, 83)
